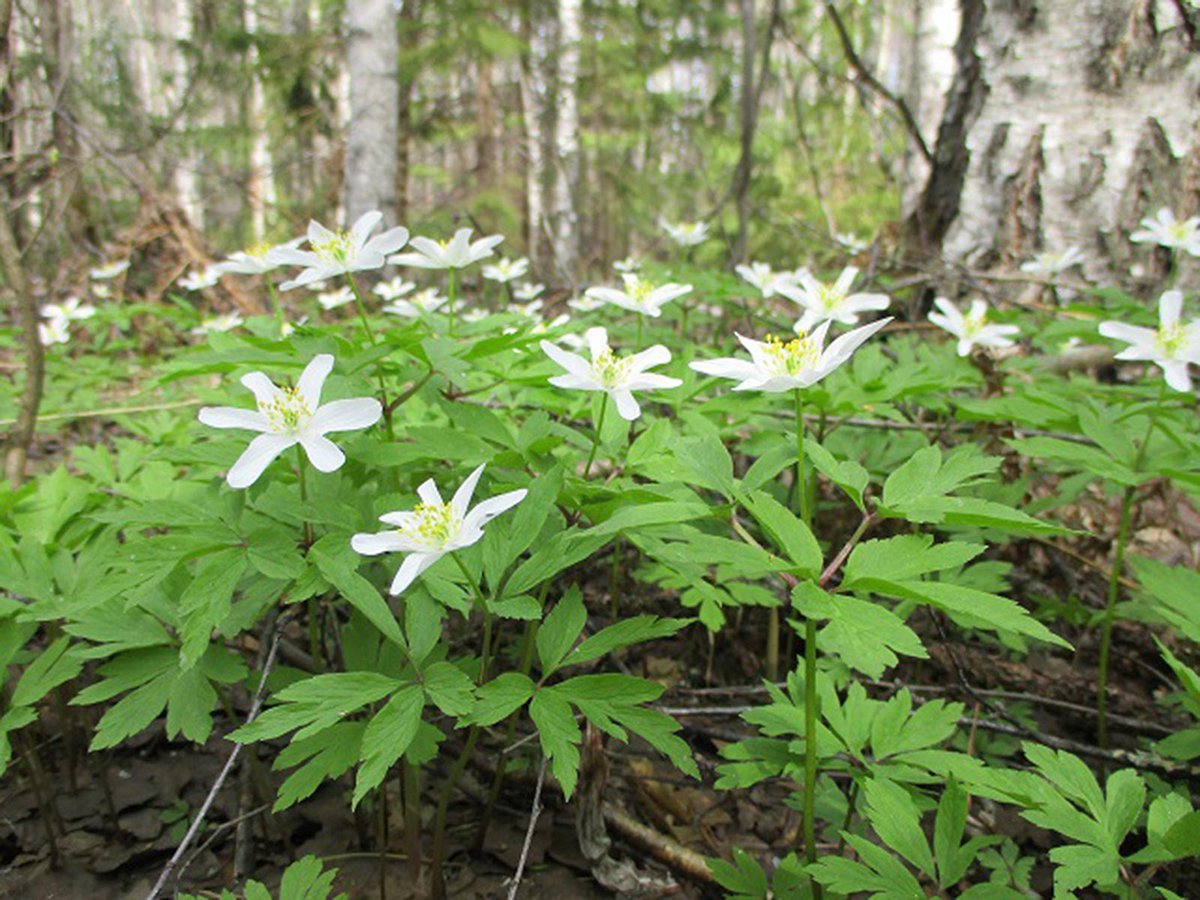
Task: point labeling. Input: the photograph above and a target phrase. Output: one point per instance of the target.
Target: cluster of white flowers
(1167, 231)
(1171, 346)
(56, 329)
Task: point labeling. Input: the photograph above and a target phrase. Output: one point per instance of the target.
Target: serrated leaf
(356, 590)
(387, 736)
(845, 473)
(865, 636)
(787, 531)
(559, 735)
(635, 630)
(500, 697)
(449, 688)
(560, 629)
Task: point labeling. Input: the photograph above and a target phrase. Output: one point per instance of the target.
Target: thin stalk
(273, 294)
(810, 669)
(361, 305)
(596, 437)
(452, 274)
(638, 342)
(1114, 581)
(614, 579)
(411, 775)
(312, 604)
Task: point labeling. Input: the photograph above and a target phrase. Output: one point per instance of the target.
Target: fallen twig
(534, 812)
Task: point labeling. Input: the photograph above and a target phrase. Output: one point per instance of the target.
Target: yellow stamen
(796, 356)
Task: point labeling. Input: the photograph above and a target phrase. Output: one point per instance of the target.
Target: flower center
(434, 523)
(609, 369)
(1170, 341)
(639, 290)
(831, 298)
(258, 250)
(796, 356)
(973, 323)
(286, 411)
(336, 248)
(1181, 232)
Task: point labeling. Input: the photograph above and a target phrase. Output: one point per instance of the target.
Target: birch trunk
(566, 139)
(262, 183)
(372, 55)
(1081, 120)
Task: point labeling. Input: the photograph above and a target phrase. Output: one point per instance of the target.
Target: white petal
(287, 256)
(363, 226)
(310, 276)
(263, 388)
(346, 415)
(651, 381)
(492, 507)
(1169, 308)
(627, 406)
(841, 349)
(388, 242)
(1176, 373)
(323, 453)
(429, 493)
(255, 459)
(233, 417)
(369, 544)
(412, 567)
(596, 340)
(417, 260)
(728, 367)
(317, 232)
(654, 356)
(842, 285)
(312, 379)
(953, 319)
(462, 497)
(575, 383)
(572, 362)
(1133, 334)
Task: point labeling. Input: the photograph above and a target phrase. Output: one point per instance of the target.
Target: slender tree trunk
(184, 172)
(566, 138)
(741, 191)
(262, 182)
(410, 14)
(531, 120)
(372, 54)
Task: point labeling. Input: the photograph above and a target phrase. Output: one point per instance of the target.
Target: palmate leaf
(312, 705)
(386, 738)
(865, 636)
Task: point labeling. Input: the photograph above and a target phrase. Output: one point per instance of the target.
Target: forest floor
(119, 815)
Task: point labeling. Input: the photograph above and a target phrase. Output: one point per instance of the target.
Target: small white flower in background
(759, 275)
(255, 260)
(973, 329)
(318, 287)
(392, 289)
(475, 315)
(456, 253)
(289, 416)
(339, 297)
(1170, 347)
(585, 303)
(824, 302)
(223, 322)
(550, 324)
(1167, 231)
(628, 264)
(528, 291)
(287, 329)
(333, 253)
(101, 291)
(198, 280)
(613, 375)
(426, 301)
(55, 331)
(528, 310)
(687, 234)
(1050, 263)
(505, 270)
(851, 243)
(434, 528)
(108, 271)
(639, 295)
(70, 310)
(775, 366)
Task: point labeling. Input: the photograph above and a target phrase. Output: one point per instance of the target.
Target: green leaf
(305, 880)
(133, 712)
(559, 735)
(787, 531)
(189, 706)
(895, 818)
(846, 474)
(449, 688)
(206, 601)
(866, 636)
(948, 830)
(48, 670)
(357, 591)
(315, 703)
(500, 697)
(326, 755)
(387, 736)
(646, 515)
(560, 630)
(902, 557)
(743, 879)
(624, 633)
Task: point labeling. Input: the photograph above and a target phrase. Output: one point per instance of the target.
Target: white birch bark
(184, 174)
(372, 54)
(566, 138)
(1088, 124)
(262, 182)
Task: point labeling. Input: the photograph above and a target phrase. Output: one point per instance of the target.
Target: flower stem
(596, 437)
(1114, 580)
(638, 341)
(312, 606)
(362, 308)
(810, 668)
(450, 292)
(274, 295)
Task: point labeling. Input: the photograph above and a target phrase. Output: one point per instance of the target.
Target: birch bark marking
(566, 138)
(372, 54)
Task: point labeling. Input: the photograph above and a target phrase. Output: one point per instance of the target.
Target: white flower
(333, 253)
(1049, 263)
(585, 303)
(1167, 231)
(391, 290)
(286, 329)
(528, 310)
(606, 372)
(456, 253)
(527, 291)
(223, 322)
(108, 270)
(639, 295)
(544, 326)
(318, 287)
(255, 260)
(628, 264)
(426, 301)
(850, 242)
(475, 315)
(759, 275)
(972, 330)
(687, 234)
(434, 528)
(289, 416)
(775, 366)
(505, 270)
(1171, 347)
(70, 310)
(336, 298)
(101, 291)
(825, 302)
(55, 331)
(198, 280)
